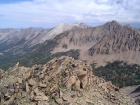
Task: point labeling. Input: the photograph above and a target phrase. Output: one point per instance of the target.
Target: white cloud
(40, 11)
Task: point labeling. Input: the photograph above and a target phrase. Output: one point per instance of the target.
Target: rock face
(62, 81)
(82, 25)
(121, 39)
(132, 91)
(14, 40)
(1, 73)
(107, 43)
(121, 43)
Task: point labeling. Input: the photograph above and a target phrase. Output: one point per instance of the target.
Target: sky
(50, 13)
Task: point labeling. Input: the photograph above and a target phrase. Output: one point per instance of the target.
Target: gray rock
(32, 82)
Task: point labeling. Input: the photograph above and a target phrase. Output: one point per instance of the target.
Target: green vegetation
(31, 59)
(38, 58)
(39, 54)
(121, 74)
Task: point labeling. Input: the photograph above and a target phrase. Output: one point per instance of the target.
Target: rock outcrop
(120, 39)
(1, 73)
(62, 81)
(122, 43)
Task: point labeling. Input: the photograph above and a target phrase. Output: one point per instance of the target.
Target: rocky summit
(61, 81)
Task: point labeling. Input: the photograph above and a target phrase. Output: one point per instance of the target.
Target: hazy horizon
(135, 25)
(44, 13)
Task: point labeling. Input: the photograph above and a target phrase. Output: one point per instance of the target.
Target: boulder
(42, 85)
(59, 101)
(23, 94)
(27, 87)
(42, 103)
(11, 91)
(19, 80)
(41, 97)
(32, 82)
(36, 91)
(71, 81)
(54, 89)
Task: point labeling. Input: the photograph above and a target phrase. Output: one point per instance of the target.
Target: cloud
(57, 11)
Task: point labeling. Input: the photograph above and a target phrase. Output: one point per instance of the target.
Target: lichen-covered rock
(61, 81)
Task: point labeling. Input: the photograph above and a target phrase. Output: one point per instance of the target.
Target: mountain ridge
(110, 36)
(95, 45)
(113, 40)
(124, 41)
(16, 43)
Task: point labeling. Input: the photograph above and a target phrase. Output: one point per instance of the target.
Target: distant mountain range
(16, 41)
(102, 44)
(121, 43)
(107, 43)
(110, 44)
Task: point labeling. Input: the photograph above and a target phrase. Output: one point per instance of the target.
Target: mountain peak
(63, 23)
(82, 25)
(114, 22)
(128, 26)
(112, 25)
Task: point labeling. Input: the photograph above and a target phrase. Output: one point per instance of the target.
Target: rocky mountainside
(61, 81)
(78, 38)
(62, 28)
(13, 36)
(106, 43)
(82, 25)
(121, 43)
(109, 42)
(82, 39)
(18, 42)
(1, 73)
(133, 91)
(57, 30)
